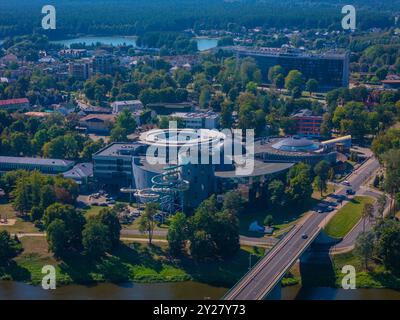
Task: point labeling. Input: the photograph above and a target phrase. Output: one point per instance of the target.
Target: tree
(226, 234)
(118, 134)
(269, 220)
(36, 214)
(381, 73)
(280, 81)
(389, 245)
(299, 187)
(294, 79)
(21, 193)
(274, 72)
(47, 196)
(233, 202)
(382, 200)
(205, 97)
(20, 144)
(56, 234)
(9, 248)
(296, 92)
(217, 231)
(312, 85)
(367, 213)
(126, 121)
(331, 174)
(288, 125)
(177, 233)
(73, 222)
(321, 171)
(226, 114)
(147, 222)
(276, 192)
(391, 160)
(96, 238)
(365, 246)
(109, 218)
(320, 185)
(201, 246)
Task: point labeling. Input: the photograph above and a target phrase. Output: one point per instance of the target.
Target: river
(202, 43)
(176, 291)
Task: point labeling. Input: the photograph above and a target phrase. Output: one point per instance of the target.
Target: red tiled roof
(13, 101)
(103, 117)
(391, 81)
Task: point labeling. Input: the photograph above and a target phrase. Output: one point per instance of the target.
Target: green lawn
(129, 262)
(283, 218)
(317, 194)
(20, 226)
(375, 277)
(93, 211)
(347, 217)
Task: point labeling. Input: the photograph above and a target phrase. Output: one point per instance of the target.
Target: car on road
(346, 183)
(304, 236)
(350, 192)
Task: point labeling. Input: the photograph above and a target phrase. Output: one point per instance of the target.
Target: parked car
(350, 192)
(346, 183)
(304, 236)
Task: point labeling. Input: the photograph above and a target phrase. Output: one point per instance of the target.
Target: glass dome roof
(296, 144)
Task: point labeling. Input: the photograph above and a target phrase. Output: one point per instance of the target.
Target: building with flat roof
(14, 104)
(307, 124)
(330, 69)
(97, 123)
(103, 64)
(198, 120)
(166, 109)
(131, 105)
(49, 166)
(112, 165)
(391, 84)
(79, 70)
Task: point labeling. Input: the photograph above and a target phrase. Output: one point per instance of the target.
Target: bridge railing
(256, 264)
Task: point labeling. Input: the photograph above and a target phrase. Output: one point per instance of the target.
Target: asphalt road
(250, 241)
(263, 277)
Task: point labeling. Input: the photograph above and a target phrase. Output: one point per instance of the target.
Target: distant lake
(206, 43)
(202, 43)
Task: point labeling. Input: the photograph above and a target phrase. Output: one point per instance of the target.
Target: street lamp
(250, 254)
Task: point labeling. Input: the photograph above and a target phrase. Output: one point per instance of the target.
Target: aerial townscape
(235, 150)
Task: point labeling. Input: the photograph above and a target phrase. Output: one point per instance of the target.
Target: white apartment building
(198, 120)
(131, 105)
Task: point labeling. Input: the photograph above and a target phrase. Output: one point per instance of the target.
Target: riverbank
(327, 272)
(135, 262)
